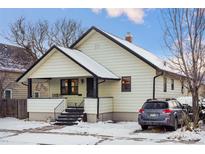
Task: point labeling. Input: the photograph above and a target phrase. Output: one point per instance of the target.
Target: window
(182, 87)
(69, 87)
(172, 84)
(155, 105)
(36, 94)
(165, 84)
(126, 84)
(8, 94)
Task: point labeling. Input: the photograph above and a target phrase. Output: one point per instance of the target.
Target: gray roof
(13, 58)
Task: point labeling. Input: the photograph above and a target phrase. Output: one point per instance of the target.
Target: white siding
(90, 105)
(122, 63)
(58, 65)
(105, 105)
(43, 105)
(170, 93)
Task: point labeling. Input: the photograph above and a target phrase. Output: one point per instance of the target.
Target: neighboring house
(111, 76)
(13, 63)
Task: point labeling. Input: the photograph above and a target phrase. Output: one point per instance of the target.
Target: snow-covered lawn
(16, 124)
(13, 131)
(131, 133)
(4, 134)
(121, 129)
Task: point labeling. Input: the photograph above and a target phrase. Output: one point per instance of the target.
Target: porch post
(95, 93)
(29, 88)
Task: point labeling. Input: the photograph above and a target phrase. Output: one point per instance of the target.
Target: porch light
(82, 81)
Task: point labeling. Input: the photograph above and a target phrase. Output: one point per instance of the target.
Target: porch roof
(84, 61)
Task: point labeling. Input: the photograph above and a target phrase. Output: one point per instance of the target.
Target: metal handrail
(58, 106)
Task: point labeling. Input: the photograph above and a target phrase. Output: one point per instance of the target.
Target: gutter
(154, 79)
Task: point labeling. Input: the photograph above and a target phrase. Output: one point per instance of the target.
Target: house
(13, 63)
(109, 76)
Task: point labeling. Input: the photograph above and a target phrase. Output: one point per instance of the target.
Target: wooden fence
(13, 108)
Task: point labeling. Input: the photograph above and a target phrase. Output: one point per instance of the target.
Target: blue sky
(147, 34)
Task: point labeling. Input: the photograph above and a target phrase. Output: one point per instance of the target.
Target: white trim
(11, 93)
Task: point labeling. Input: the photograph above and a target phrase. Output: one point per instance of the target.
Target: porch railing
(105, 105)
(59, 108)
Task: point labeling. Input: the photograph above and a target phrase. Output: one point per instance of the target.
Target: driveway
(14, 131)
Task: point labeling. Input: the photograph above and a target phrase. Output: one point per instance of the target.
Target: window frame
(11, 93)
(69, 87)
(172, 84)
(123, 89)
(165, 84)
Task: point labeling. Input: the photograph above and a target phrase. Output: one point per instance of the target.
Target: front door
(90, 87)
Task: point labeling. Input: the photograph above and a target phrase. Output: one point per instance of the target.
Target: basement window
(69, 87)
(126, 84)
(165, 84)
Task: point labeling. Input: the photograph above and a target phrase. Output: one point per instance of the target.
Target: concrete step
(74, 110)
(68, 119)
(70, 116)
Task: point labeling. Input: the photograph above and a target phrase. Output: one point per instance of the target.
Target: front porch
(86, 92)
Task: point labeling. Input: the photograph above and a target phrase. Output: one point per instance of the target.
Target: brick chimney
(128, 37)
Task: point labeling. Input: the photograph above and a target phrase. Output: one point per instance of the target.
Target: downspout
(98, 101)
(154, 78)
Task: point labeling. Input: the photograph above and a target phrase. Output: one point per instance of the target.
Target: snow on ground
(107, 133)
(131, 133)
(36, 138)
(187, 136)
(16, 124)
(4, 134)
(102, 128)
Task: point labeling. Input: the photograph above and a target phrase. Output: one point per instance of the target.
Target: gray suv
(168, 112)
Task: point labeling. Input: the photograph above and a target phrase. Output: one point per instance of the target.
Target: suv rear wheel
(144, 127)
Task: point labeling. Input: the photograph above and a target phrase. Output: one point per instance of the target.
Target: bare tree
(31, 36)
(37, 37)
(3, 61)
(184, 37)
(64, 32)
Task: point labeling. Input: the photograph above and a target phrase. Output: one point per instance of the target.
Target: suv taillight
(167, 111)
(141, 110)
